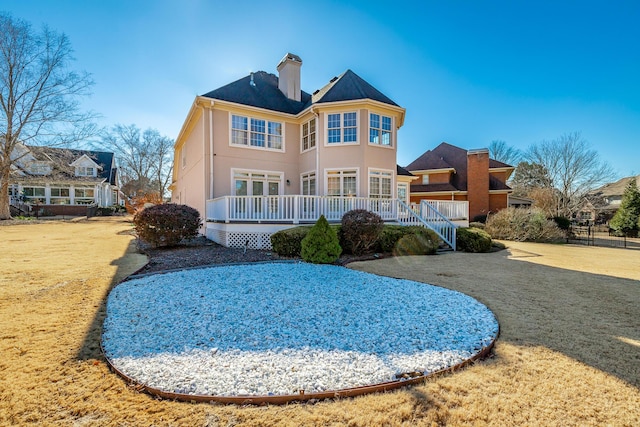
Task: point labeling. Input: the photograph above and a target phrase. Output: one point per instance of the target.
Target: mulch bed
(202, 252)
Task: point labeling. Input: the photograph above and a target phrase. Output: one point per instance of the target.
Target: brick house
(451, 173)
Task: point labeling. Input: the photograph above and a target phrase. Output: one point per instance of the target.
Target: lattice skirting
(238, 236)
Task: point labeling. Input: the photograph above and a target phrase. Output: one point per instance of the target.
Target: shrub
(562, 222)
(480, 218)
(289, 242)
(389, 236)
(473, 240)
(523, 225)
(321, 245)
(479, 225)
(167, 225)
(415, 244)
(359, 230)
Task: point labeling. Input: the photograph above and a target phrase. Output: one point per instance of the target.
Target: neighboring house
(260, 154)
(62, 181)
(451, 173)
(602, 203)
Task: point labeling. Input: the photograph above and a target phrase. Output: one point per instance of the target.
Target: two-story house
(451, 173)
(260, 154)
(62, 181)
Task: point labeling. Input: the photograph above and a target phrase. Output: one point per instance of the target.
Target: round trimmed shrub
(321, 245)
(289, 242)
(415, 244)
(167, 224)
(360, 230)
(389, 236)
(473, 240)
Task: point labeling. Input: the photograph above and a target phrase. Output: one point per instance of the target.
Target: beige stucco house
(260, 154)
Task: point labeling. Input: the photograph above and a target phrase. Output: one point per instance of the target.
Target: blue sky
(468, 72)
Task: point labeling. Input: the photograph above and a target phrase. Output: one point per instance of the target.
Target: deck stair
(429, 217)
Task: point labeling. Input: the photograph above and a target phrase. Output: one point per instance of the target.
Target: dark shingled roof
(62, 157)
(402, 171)
(446, 156)
(264, 92)
(349, 86)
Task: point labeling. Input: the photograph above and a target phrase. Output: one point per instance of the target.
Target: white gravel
(278, 328)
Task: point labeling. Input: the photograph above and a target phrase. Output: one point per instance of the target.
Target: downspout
(313, 111)
(211, 154)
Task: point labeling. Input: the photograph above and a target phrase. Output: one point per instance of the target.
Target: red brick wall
(439, 178)
(497, 202)
(478, 182)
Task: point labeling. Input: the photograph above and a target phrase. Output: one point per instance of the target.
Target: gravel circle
(279, 328)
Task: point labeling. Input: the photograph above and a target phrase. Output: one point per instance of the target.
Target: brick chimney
(478, 182)
(289, 76)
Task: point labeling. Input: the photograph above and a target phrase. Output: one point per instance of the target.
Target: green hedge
(289, 242)
(473, 240)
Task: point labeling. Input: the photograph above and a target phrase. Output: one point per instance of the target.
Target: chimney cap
(478, 151)
(290, 57)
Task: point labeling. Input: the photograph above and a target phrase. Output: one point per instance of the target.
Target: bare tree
(529, 176)
(144, 159)
(500, 151)
(39, 95)
(572, 166)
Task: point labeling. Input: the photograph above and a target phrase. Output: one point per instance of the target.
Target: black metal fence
(595, 235)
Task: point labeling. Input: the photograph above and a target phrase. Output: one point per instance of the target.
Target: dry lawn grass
(568, 354)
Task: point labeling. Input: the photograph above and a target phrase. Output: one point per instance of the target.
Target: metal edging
(302, 396)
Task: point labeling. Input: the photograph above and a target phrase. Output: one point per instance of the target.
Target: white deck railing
(298, 209)
(453, 210)
(294, 209)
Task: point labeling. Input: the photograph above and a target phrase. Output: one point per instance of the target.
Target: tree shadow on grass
(592, 318)
(127, 264)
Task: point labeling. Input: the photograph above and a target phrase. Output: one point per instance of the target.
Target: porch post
(296, 209)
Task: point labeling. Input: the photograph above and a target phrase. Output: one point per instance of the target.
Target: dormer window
(85, 171)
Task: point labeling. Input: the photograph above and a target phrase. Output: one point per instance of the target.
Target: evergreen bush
(473, 240)
(359, 230)
(321, 244)
(415, 244)
(167, 224)
(289, 242)
(626, 221)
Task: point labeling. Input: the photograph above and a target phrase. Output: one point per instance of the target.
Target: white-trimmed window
(256, 183)
(342, 183)
(380, 184)
(380, 129)
(342, 128)
(83, 195)
(60, 196)
(85, 171)
(308, 184)
(403, 192)
(309, 135)
(253, 132)
(425, 179)
(33, 194)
